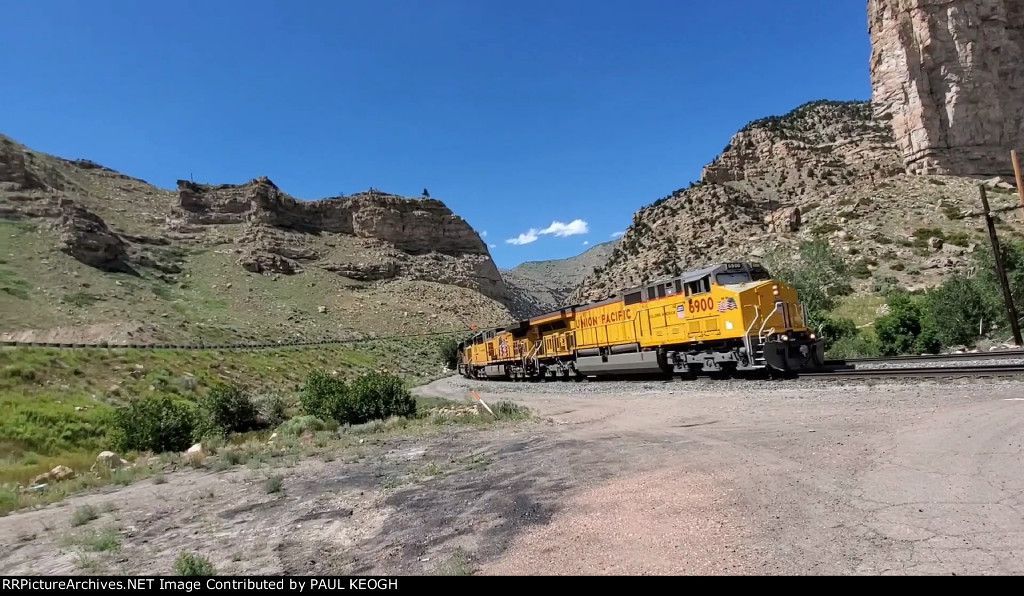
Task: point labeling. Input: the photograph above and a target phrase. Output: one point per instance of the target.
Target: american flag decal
(727, 304)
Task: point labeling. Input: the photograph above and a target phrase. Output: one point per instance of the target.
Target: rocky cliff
(949, 76)
(398, 236)
(825, 170)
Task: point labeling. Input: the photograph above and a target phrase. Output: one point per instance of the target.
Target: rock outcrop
(813, 149)
(949, 76)
(86, 237)
(15, 171)
(825, 171)
(398, 236)
(758, 188)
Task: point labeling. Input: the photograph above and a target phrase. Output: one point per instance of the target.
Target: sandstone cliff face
(815, 148)
(404, 237)
(949, 76)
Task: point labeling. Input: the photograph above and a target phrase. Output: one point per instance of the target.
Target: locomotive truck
(720, 320)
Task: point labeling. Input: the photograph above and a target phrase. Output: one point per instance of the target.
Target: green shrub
(834, 329)
(373, 396)
(193, 565)
(272, 409)
(886, 284)
(860, 269)
(156, 424)
(300, 424)
(857, 345)
(819, 276)
(377, 396)
(903, 330)
(955, 309)
(450, 353)
(272, 485)
(324, 397)
(227, 409)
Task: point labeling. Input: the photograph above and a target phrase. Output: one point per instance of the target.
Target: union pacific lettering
(605, 318)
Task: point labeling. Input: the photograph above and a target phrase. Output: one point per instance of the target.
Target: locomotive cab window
(633, 298)
(699, 286)
(759, 273)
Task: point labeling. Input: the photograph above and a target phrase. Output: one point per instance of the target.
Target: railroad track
(998, 355)
(944, 367)
(982, 370)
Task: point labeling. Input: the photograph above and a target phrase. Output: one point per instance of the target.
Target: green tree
(227, 409)
(835, 329)
(954, 310)
(903, 330)
(158, 424)
(819, 276)
(450, 352)
(1013, 262)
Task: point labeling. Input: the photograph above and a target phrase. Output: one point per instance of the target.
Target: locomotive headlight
(784, 337)
(813, 337)
(775, 290)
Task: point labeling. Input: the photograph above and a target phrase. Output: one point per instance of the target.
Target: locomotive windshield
(728, 279)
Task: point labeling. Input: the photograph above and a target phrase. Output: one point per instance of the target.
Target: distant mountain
(536, 287)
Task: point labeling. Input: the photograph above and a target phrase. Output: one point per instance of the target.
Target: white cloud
(586, 242)
(617, 234)
(573, 228)
(528, 237)
(492, 245)
(483, 234)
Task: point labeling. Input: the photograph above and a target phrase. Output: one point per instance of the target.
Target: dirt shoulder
(649, 478)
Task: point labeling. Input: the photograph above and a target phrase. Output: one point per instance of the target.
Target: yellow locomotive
(731, 317)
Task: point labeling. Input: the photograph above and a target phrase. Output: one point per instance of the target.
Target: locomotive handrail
(746, 335)
(760, 332)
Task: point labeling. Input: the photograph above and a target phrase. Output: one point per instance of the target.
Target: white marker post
(479, 399)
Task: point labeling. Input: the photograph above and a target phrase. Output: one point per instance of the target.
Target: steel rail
(933, 357)
(990, 370)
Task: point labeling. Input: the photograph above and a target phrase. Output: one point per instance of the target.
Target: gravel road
(729, 477)
(808, 477)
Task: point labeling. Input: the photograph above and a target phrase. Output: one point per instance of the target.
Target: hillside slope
(829, 170)
(89, 254)
(537, 287)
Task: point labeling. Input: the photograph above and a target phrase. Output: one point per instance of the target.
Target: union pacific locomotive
(720, 320)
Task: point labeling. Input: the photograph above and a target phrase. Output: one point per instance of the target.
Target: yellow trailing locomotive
(731, 317)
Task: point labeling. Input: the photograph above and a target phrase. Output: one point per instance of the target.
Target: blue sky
(560, 117)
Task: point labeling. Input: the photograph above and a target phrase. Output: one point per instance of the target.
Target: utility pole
(1011, 310)
(1016, 173)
